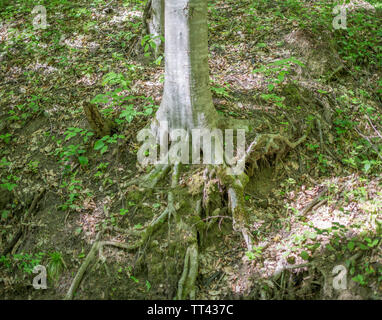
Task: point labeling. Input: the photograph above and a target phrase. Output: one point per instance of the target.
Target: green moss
(135, 195)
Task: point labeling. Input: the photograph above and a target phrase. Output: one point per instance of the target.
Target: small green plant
(73, 132)
(74, 187)
(9, 182)
(33, 166)
(128, 113)
(113, 98)
(71, 151)
(56, 264)
(27, 262)
(82, 254)
(123, 38)
(26, 110)
(6, 137)
(278, 70)
(305, 255)
(274, 98)
(6, 261)
(4, 162)
(255, 253)
(5, 214)
(360, 279)
(149, 44)
(221, 91)
(113, 78)
(102, 144)
(101, 169)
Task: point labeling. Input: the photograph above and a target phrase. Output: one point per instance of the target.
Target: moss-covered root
(267, 145)
(186, 285)
(263, 145)
(151, 179)
(77, 279)
(235, 185)
(144, 235)
(239, 215)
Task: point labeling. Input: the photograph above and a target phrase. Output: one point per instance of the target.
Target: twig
(315, 201)
(372, 145)
(340, 68)
(371, 123)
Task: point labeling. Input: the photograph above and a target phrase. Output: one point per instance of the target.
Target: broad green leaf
(98, 145)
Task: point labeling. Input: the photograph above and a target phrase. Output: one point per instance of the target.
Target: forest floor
(279, 64)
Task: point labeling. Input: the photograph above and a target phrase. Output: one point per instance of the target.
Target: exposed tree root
(151, 179)
(22, 230)
(186, 285)
(218, 179)
(77, 279)
(263, 145)
(144, 234)
(315, 201)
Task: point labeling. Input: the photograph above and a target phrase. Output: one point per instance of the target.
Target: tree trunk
(100, 126)
(153, 20)
(187, 100)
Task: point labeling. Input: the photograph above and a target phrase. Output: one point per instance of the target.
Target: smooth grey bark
(187, 100)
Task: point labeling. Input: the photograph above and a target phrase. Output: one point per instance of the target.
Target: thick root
(151, 179)
(145, 234)
(264, 145)
(77, 279)
(234, 184)
(236, 205)
(186, 285)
